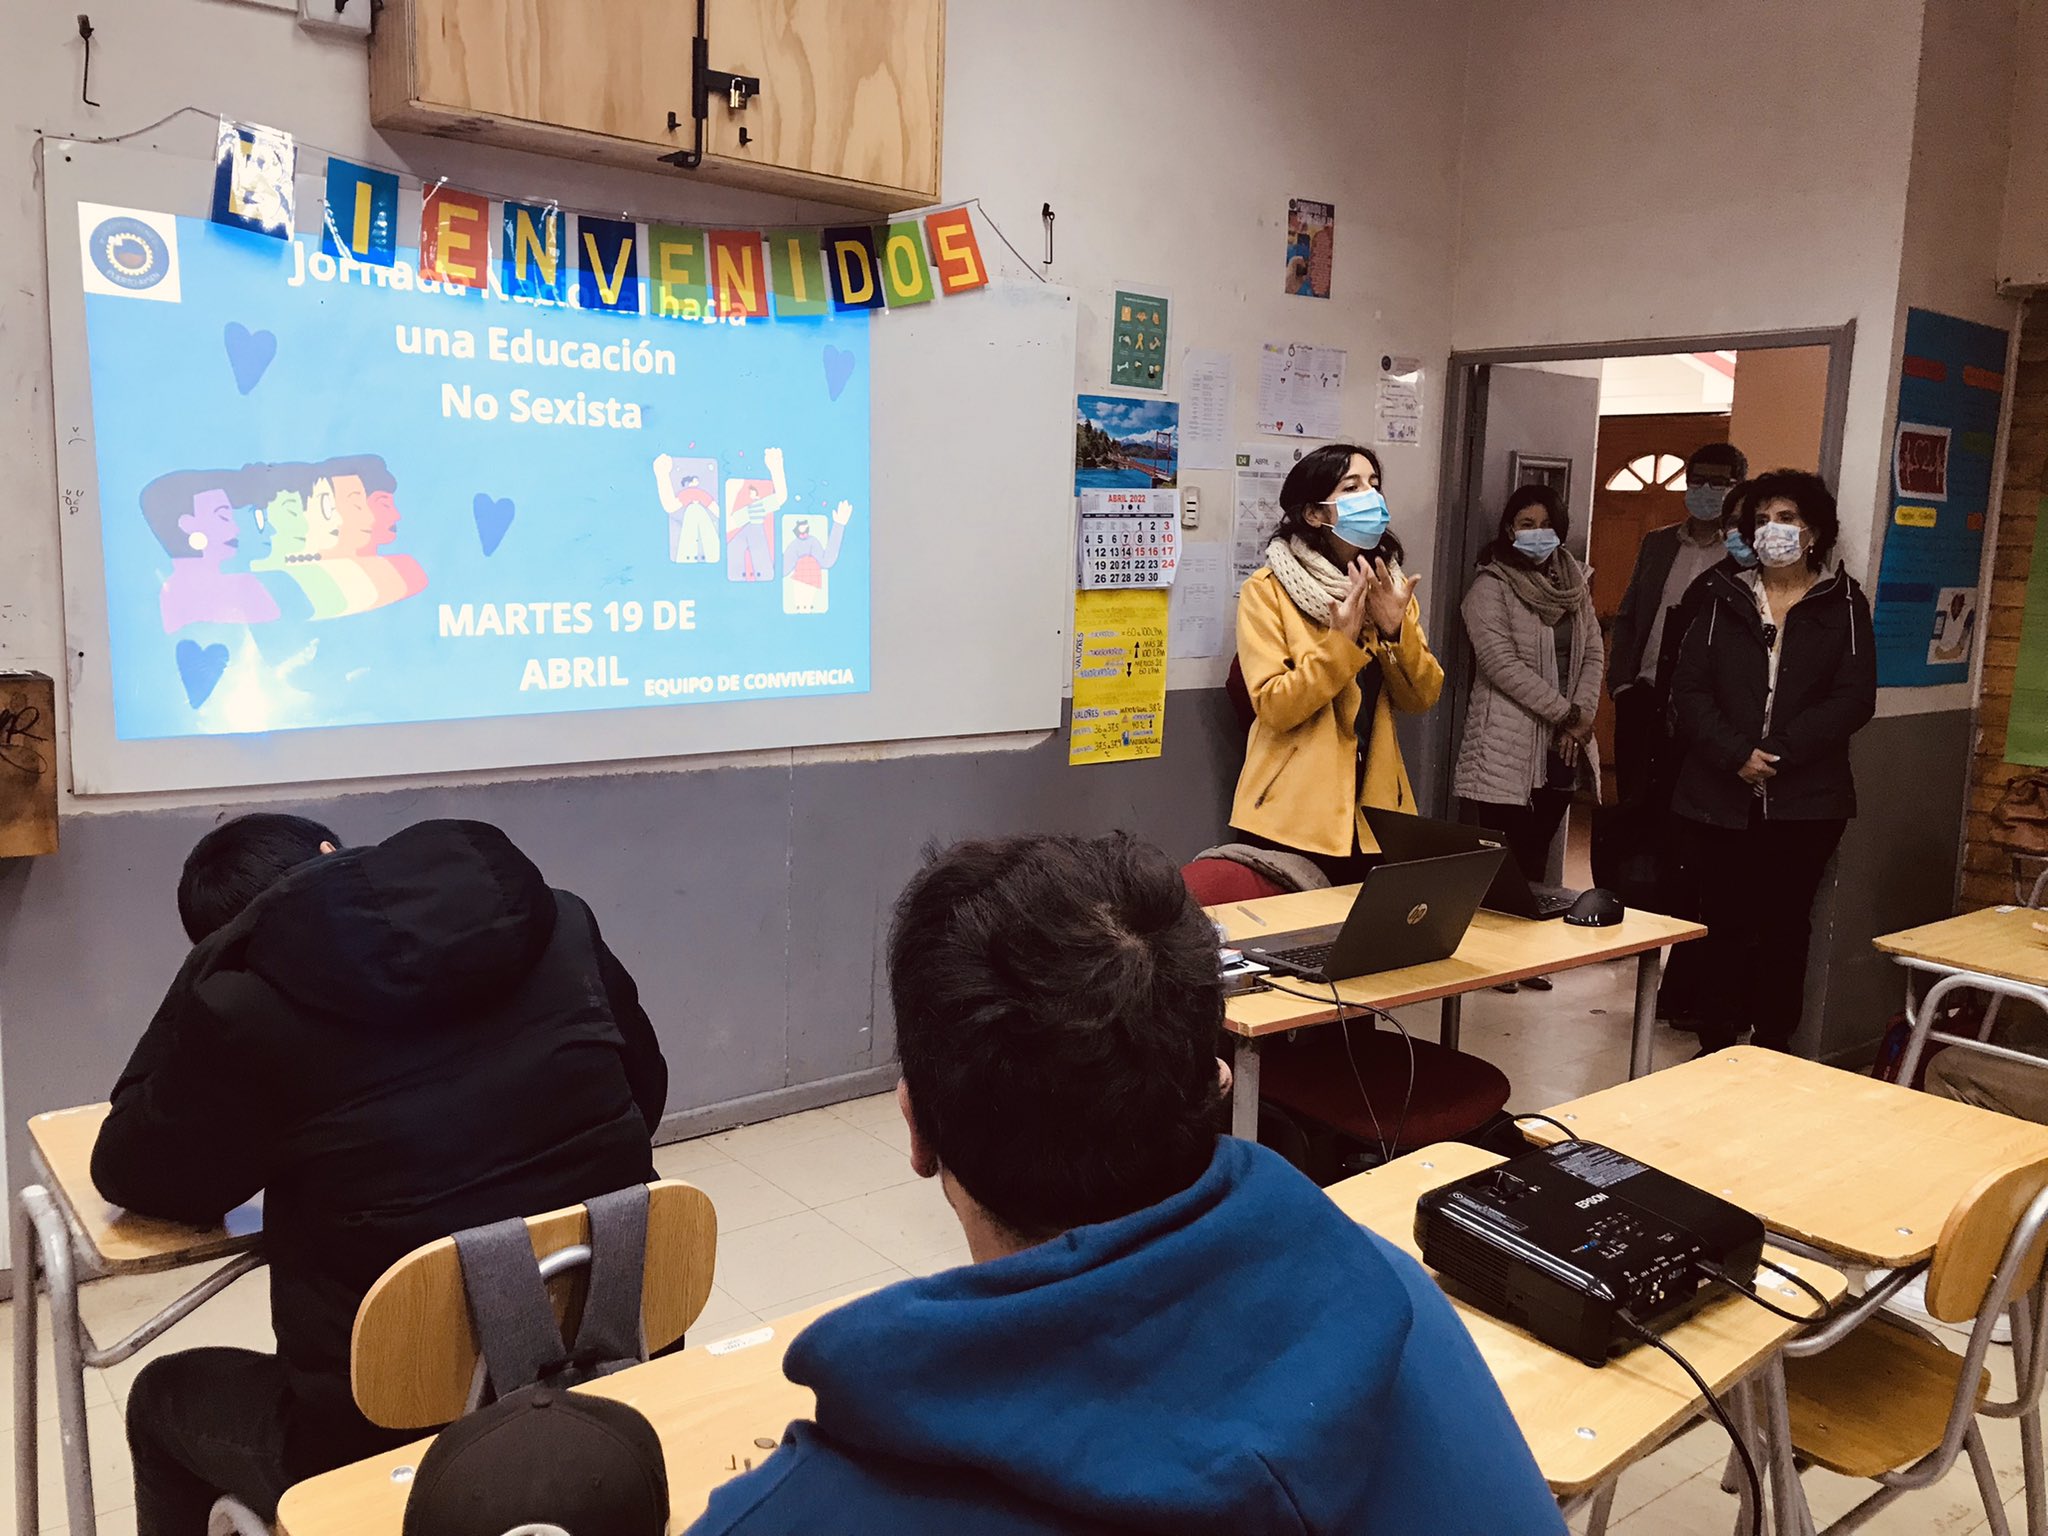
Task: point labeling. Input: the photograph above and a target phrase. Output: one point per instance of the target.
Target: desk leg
(2022, 1318)
(1602, 1507)
(1453, 1017)
(1643, 1038)
(1244, 1090)
(1788, 1493)
(69, 1358)
(27, 1274)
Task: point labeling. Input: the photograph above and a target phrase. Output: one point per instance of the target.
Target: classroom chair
(415, 1359)
(1873, 1395)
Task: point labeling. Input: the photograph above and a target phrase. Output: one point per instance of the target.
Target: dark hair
(238, 861)
(1810, 494)
(1738, 496)
(1057, 1006)
(1522, 498)
(1315, 475)
(169, 497)
(1721, 455)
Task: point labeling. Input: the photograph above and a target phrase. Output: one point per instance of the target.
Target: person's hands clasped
(1758, 768)
(1386, 596)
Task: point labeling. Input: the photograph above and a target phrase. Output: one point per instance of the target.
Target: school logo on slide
(128, 253)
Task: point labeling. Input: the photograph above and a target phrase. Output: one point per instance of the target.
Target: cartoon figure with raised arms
(806, 560)
(689, 494)
(749, 535)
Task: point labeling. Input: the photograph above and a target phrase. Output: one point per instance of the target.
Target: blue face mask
(1362, 517)
(1744, 555)
(1704, 501)
(1539, 544)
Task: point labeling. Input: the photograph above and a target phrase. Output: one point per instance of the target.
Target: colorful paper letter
(455, 238)
(609, 264)
(362, 214)
(955, 251)
(799, 284)
(850, 256)
(680, 271)
(530, 254)
(736, 267)
(252, 178)
(904, 273)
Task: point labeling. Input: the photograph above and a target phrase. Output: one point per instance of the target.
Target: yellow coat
(1301, 762)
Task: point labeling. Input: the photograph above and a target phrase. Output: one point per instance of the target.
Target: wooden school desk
(1865, 1170)
(1586, 1425)
(64, 1233)
(719, 1408)
(1495, 949)
(1997, 950)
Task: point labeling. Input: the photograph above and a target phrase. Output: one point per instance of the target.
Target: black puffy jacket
(1827, 691)
(393, 1043)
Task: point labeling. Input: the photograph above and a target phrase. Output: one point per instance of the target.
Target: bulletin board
(557, 564)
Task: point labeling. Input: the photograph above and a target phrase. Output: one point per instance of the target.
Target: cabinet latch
(705, 81)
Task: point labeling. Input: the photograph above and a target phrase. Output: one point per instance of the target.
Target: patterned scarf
(1312, 582)
(1550, 590)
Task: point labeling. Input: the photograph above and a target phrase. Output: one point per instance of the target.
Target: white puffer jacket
(1517, 700)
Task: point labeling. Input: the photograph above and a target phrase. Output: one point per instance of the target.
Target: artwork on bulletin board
(1311, 247)
(1122, 444)
(1120, 640)
(1951, 384)
(1137, 340)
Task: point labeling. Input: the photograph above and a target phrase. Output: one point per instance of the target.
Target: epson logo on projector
(1589, 1202)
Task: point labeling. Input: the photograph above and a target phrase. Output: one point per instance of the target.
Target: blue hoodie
(1239, 1358)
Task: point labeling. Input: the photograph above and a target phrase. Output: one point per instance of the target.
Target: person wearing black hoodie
(1162, 1329)
(392, 1043)
(1777, 671)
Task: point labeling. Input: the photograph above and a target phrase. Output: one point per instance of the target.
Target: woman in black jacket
(1775, 674)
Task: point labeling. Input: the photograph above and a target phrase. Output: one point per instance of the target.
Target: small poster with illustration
(1122, 445)
(1311, 247)
(1137, 348)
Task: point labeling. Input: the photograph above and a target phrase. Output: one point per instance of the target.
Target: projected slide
(330, 496)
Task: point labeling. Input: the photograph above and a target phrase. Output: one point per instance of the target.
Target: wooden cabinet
(849, 108)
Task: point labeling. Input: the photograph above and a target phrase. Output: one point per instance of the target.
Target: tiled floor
(820, 1203)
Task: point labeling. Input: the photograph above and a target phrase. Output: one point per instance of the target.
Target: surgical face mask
(1539, 544)
(1780, 544)
(1362, 517)
(1744, 555)
(1704, 501)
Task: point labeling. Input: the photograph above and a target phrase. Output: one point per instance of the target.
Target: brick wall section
(1988, 868)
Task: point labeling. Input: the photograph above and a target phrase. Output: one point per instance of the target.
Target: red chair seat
(1309, 1077)
(1217, 882)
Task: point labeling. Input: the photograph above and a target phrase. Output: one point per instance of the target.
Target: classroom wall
(2023, 244)
(1779, 405)
(748, 893)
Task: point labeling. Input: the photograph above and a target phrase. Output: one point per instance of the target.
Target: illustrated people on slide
(285, 510)
(749, 536)
(253, 554)
(806, 588)
(364, 503)
(193, 517)
(689, 494)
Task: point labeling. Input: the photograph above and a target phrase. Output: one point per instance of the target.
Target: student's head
(1057, 1005)
(1711, 470)
(241, 859)
(1308, 502)
(1530, 509)
(1799, 499)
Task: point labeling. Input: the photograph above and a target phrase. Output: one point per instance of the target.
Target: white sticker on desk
(740, 1341)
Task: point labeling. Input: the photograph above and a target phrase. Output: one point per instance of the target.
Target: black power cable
(1827, 1311)
(1344, 1012)
(1756, 1483)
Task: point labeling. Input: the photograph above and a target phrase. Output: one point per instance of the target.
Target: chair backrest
(1217, 882)
(413, 1355)
(1975, 1238)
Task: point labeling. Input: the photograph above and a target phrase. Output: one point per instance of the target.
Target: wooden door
(615, 68)
(850, 89)
(1638, 485)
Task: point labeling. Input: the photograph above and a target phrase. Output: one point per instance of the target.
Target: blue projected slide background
(330, 503)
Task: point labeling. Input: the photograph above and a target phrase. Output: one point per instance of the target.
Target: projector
(1561, 1241)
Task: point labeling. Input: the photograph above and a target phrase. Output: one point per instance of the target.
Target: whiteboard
(971, 457)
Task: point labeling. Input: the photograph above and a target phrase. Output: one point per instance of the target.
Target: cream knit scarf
(1312, 582)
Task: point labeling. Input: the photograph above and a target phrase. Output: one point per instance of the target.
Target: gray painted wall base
(750, 903)
(684, 1124)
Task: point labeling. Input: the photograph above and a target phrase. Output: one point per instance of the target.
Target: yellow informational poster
(1119, 674)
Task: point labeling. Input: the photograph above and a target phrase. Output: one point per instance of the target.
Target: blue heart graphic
(249, 353)
(838, 369)
(201, 666)
(493, 517)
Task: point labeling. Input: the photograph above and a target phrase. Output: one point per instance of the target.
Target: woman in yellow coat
(1329, 637)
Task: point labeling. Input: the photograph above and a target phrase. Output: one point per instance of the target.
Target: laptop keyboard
(1309, 959)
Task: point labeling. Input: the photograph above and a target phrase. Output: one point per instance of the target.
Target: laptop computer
(1403, 837)
(1406, 913)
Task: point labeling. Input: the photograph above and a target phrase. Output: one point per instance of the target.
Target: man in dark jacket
(1163, 1330)
(392, 1043)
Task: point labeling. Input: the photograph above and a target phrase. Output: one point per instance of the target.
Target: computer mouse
(1596, 909)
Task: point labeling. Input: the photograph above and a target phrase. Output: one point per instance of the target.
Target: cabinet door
(610, 67)
(849, 88)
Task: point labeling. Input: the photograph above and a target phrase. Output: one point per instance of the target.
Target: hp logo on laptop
(1417, 913)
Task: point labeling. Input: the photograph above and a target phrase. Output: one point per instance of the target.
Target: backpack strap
(611, 1336)
(508, 1305)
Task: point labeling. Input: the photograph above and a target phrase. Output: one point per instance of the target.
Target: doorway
(1610, 428)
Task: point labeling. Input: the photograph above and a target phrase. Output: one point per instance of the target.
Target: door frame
(1465, 387)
